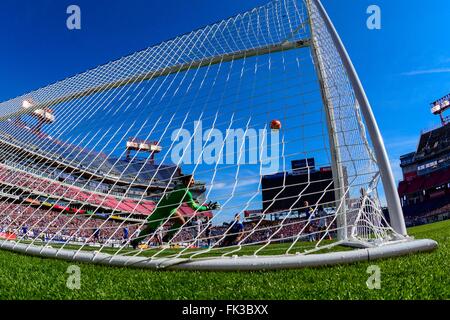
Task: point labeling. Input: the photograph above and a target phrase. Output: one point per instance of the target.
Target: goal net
(247, 144)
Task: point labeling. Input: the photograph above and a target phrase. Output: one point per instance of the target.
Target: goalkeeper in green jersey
(167, 209)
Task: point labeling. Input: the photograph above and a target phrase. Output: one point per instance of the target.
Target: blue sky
(403, 67)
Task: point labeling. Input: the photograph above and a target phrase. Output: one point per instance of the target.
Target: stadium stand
(46, 224)
(68, 198)
(42, 186)
(425, 188)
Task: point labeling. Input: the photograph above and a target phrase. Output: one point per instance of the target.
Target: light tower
(139, 145)
(43, 116)
(440, 106)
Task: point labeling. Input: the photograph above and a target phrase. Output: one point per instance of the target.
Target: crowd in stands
(31, 223)
(304, 229)
(439, 214)
(32, 183)
(312, 227)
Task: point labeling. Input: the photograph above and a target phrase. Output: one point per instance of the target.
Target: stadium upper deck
(38, 145)
(433, 143)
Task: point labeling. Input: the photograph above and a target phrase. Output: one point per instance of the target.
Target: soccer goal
(248, 144)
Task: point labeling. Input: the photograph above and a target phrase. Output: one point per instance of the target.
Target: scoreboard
(288, 191)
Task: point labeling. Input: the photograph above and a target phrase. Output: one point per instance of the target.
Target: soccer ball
(275, 125)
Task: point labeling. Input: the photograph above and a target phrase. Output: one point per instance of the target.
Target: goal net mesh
(258, 108)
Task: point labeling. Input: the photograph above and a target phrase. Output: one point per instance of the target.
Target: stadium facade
(425, 188)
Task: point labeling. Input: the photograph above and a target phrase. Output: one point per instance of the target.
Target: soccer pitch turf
(419, 276)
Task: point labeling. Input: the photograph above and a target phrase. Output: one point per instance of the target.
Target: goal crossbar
(233, 56)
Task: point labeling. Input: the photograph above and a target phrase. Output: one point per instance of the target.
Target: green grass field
(421, 276)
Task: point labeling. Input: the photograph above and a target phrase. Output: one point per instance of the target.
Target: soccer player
(322, 225)
(208, 229)
(167, 209)
(311, 225)
(160, 235)
(126, 233)
(307, 210)
(25, 232)
(97, 234)
(235, 233)
(197, 231)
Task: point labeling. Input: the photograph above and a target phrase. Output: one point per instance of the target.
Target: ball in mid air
(275, 125)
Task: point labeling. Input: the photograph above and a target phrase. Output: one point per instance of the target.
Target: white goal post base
(244, 263)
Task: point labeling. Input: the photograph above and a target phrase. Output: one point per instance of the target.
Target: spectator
(126, 234)
(311, 225)
(322, 225)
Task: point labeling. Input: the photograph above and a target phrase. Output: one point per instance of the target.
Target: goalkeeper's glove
(213, 206)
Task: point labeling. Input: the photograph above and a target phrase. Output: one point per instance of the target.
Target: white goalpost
(248, 144)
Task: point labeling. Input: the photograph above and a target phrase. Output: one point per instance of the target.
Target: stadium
(246, 145)
(424, 190)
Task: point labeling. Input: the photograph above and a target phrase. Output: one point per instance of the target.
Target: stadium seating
(56, 190)
(73, 194)
(434, 141)
(424, 182)
(138, 171)
(14, 218)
